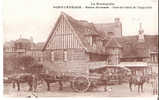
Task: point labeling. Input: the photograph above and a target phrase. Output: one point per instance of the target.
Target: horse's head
(144, 79)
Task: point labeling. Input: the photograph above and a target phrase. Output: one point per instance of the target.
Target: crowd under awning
(123, 65)
(105, 67)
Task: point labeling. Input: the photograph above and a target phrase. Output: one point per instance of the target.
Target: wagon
(83, 76)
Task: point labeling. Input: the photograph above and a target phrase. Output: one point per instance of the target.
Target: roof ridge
(53, 29)
(105, 23)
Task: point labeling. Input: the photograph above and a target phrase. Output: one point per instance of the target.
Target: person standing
(155, 85)
(34, 82)
(105, 79)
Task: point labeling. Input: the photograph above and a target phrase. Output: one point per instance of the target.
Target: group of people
(136, 80)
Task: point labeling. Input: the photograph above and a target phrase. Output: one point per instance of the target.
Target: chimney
(117, 27)
(117, 20)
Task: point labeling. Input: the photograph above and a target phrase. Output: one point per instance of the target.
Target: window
(109, 60)
(152, 58)
(52, 56)
(117, 59)
(65, 55)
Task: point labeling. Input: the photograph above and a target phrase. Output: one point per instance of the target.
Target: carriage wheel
(80, 84)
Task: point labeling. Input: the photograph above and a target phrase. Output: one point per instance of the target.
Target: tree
(24, 63)
(20, 64)
(9, 64)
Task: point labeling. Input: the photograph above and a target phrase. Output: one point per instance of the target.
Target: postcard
(80, 49)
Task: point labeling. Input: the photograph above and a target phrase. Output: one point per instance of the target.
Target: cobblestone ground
(116, 91)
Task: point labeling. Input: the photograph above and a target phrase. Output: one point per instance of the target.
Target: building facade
(76, 40)
(79, 40)
(73, 40)
(23, 47)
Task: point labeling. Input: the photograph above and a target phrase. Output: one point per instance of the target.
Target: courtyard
(113, 91)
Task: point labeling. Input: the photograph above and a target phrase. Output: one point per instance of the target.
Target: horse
(23, 78)
(137, 81)
(154, 83)
(51, 79)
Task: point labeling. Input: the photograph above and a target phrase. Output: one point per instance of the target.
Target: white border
(66, 98)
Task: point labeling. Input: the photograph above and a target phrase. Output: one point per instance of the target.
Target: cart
(84, 75)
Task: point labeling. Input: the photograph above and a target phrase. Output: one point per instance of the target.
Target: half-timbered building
(74, 40)
(79, 40)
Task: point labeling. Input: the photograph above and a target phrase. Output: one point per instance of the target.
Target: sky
(36, 18)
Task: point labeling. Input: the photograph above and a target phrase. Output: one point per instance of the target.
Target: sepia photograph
(80, 48)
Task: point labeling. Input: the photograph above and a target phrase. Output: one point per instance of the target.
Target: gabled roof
(82, 29)
(113, 43)
(130, 45)
(52, 31)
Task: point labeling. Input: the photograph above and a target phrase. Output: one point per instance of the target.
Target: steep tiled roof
(104, 28)
(82, 29)
(151, 42)
(131, 47)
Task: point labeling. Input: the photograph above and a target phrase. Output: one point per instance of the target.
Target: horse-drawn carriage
(81, 76)
(85, 76)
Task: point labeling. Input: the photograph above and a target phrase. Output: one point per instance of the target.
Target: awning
(134, 64)
(102, 68)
